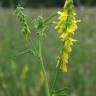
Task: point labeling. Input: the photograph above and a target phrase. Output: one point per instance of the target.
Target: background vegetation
(44, 3)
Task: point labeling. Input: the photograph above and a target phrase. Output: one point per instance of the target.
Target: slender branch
(50, 17)
(55, 78)
(34, 49)
(24, 52)
(43, 70)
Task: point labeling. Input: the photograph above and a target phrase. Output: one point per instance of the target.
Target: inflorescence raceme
(66, 25)
(22, 19)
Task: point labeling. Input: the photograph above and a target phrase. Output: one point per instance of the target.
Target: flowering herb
(66, 25)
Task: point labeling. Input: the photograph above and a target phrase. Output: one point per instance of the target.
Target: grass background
(81, 77)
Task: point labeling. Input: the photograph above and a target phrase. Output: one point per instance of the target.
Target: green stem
(33, 47)
(50, 17)
(54, 81)
(43, 70)
(39, 54)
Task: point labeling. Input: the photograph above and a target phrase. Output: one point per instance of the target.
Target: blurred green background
(44, 3)
(20, 75)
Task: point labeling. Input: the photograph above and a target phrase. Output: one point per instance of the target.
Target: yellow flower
(64, 67)
(62, 18)
(64, 57)
(63, 15)
(66, 25)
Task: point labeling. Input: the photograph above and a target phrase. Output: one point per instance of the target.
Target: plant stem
(50, 17)
(39, 54)
(33, 47)
(54, 81)
(43, 70)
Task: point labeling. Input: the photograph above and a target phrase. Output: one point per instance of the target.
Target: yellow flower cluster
(66, 25)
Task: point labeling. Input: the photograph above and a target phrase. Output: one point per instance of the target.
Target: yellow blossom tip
(64, 67)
